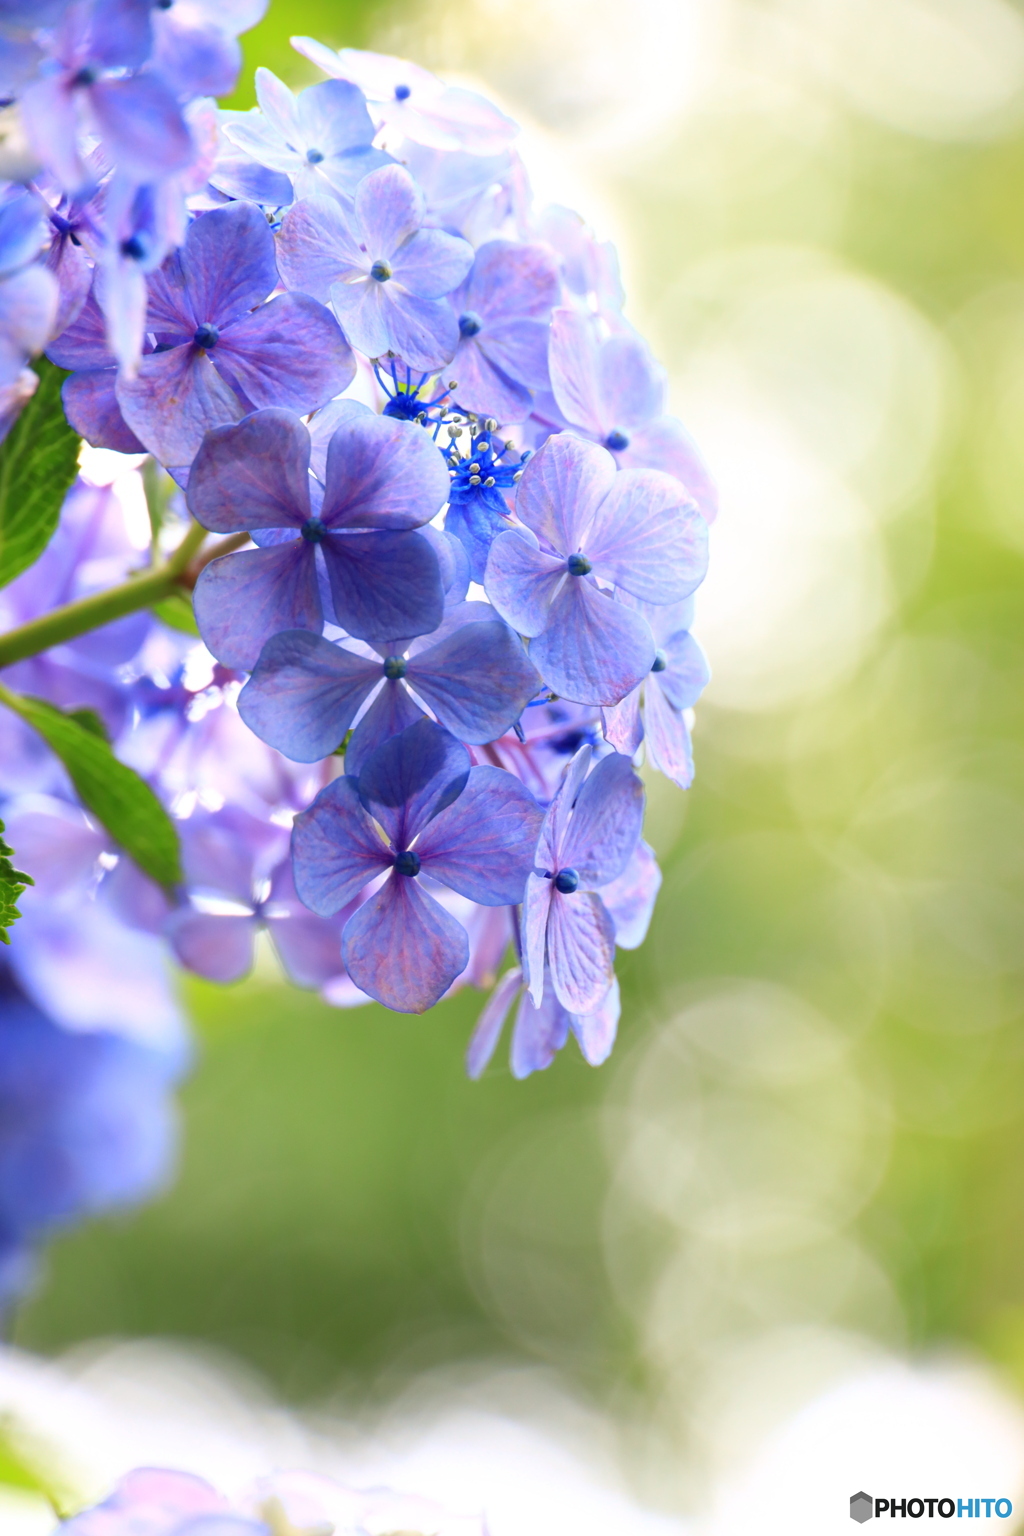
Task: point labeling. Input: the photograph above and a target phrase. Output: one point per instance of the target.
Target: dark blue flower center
(660, 662)
(470, 323)
(380, 271)
(578, 565)
(86, 76)
(133, 248)
(206, 336)
(314, 156)
(313, 530)
(403, 92)
(395, 667)
(616, 441)
(567, 881)
(407, 863)
(481, 475)
(164, 5)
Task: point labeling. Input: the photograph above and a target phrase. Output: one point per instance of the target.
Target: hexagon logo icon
(862, 1507)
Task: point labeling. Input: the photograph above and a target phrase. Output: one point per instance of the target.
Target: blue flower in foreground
(221, 350)
(385, 275)
(472, 829)
(590, 833)
(477, 509)
(636, 530)
(503, 309)
(305, 692)
(614, 392)
(384, 478)
(88, 394)
(322, 139)
(654, 713)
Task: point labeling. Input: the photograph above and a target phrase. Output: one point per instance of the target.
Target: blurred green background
(814, 1119)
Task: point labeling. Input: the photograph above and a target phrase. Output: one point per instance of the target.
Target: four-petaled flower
(655, 712)
(503, 308)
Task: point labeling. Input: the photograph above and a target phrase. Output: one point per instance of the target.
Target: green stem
(74, 619)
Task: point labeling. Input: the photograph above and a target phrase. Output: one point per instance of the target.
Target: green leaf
(114, 793)
(12, 883)
(38, 463)
(90, 721)
(176, 611)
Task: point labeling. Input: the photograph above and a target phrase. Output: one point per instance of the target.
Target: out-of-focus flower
(655, 711)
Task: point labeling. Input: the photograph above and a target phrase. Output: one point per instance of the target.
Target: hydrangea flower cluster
(447, 603)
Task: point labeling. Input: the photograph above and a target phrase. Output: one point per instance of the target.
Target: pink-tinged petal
(254, 475)
(687, 673)
(593, 650)
(631, 384)
(217, 947)
(491, 1022)
(522, 581)
(336, 850)
(484, 388)
(563, 486)
(536, 912)
(581, 950)
(412, 777)
(403, 948)
(477, 680)
(606, 821)
(539, 1034)
(424, 332)
(180, 1492)
(304, 694)
(509, 279)
(668, 738)
(382, 473)
(288, 353)
(665, 444)
(384, 584)
(557, 820)
(91, 407)
(520, 349)
(241, 600)
(623, 727)
(648, 537)
(431, 263)
(316, 248)
(631, 896)
(596, 1031)
(574, 371)
(482, 845)
(175, 398)
(392, 711)
(388, 209)
(142, 126)
(230, 264)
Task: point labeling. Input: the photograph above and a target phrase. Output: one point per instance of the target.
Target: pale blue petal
(242, 599)
(594, 650)
(304, 694)
(477, 680)
(403, 948)
(254, 475)
(336, 850)
(482, 845)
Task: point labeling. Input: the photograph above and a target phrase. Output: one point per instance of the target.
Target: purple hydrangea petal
(593, 650)
(574, 371)
(241, 600)
(28, 304)
(623, 726)
(648, 537)
(510, 279)
(484, 388)
(91, 407)
(336, 850)
(391, 711)
(606, 820)
(631, 383)
(630, 897)
(197, 58)
(536, 912)
(49, 112)
(485, 1037)
(384, 584)
(665, 444)
(668, 737)
(687, 673)
(317, 248)
(382, 473)
(389, 208)
(403, 948)
(522, 581)
(308, 947)
(563, 486)
(412, 777)
(333, 116)
(482, 845)
(229, 263)
(84, 343)
(119, 33)
(237, 175)
(539, 1033)
(596, 1031)
(304, 694)
(253, 475)
(142, 126)
(581, 950)
(477, 680)
(520, 349)
(382, 317)
(219, 947)
(431, 263)
(289, 353)
(175, 398)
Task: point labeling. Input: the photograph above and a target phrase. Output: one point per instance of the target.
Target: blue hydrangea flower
(471, 829)
(586, 522)
(482, 475)
(655, 712)
(384, 479)
(89, 393)
(195, 44)
(503, 309)
(385, 274)
(28, 293)
(472, 673)
(220, 349)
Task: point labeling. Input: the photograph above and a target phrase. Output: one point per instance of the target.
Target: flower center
(313, 530)
(380, 271)
(578, 565)
(660, 662)
(403, 92)
(616, 441)
(206, 336)
(470, 323)
(86, 76)
(407, 863)
(395, 667)
(133, 248)
(314, 156)
(567, 881)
